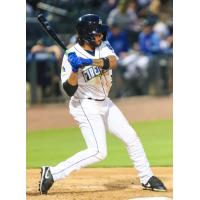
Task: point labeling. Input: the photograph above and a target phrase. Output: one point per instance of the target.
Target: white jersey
(93, 82)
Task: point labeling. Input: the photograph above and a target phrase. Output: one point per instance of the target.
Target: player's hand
(78, 62)
(74, 61)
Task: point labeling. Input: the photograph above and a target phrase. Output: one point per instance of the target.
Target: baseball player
(86, 76)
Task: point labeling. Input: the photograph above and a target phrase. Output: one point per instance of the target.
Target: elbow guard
(69, 89)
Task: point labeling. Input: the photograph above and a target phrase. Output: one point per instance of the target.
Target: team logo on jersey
(90, 73)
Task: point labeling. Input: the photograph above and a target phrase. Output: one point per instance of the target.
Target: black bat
(47, 27)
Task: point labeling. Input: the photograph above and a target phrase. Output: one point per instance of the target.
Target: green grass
(50, 147)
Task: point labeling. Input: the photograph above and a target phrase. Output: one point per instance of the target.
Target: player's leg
(119, 126)
(93, 131)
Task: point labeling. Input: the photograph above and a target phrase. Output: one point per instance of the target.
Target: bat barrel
(50, 31)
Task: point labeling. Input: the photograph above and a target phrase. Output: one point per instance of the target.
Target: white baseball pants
(94, 118)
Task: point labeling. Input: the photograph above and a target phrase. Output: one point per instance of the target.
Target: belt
(96, 99)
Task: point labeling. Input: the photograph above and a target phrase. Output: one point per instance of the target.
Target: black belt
(96, 99)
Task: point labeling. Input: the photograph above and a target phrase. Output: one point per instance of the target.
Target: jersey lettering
(91, 73)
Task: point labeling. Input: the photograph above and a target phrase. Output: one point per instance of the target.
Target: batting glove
(74, 61)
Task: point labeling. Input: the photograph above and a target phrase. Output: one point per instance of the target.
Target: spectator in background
(136, 61)
(149, 41)
(155, 38)
(118, 40)
(154, 7)
(108, 5)
(155, 49)
(134, 72)
(149, 9)
(47, 59)
(124, 15)
(163, 30)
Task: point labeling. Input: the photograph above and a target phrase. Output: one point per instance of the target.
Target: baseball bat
(48, 28)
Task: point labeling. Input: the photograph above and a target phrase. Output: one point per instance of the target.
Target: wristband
(106, 63)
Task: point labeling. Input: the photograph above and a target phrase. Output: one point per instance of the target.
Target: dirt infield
(134, 108)
(98, 184)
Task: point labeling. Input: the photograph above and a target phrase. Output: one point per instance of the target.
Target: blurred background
(141, 33)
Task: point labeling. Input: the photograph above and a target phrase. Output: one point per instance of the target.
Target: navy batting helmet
(88, 25)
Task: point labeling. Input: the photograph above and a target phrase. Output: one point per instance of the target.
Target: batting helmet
(88, 25)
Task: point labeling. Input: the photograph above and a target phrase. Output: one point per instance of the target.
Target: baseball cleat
(46, 180)
(154, 184)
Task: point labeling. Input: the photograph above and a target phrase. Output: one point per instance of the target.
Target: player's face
(98, 38)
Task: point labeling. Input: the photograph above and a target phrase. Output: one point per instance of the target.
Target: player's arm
(109, 62)
(71, 84)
